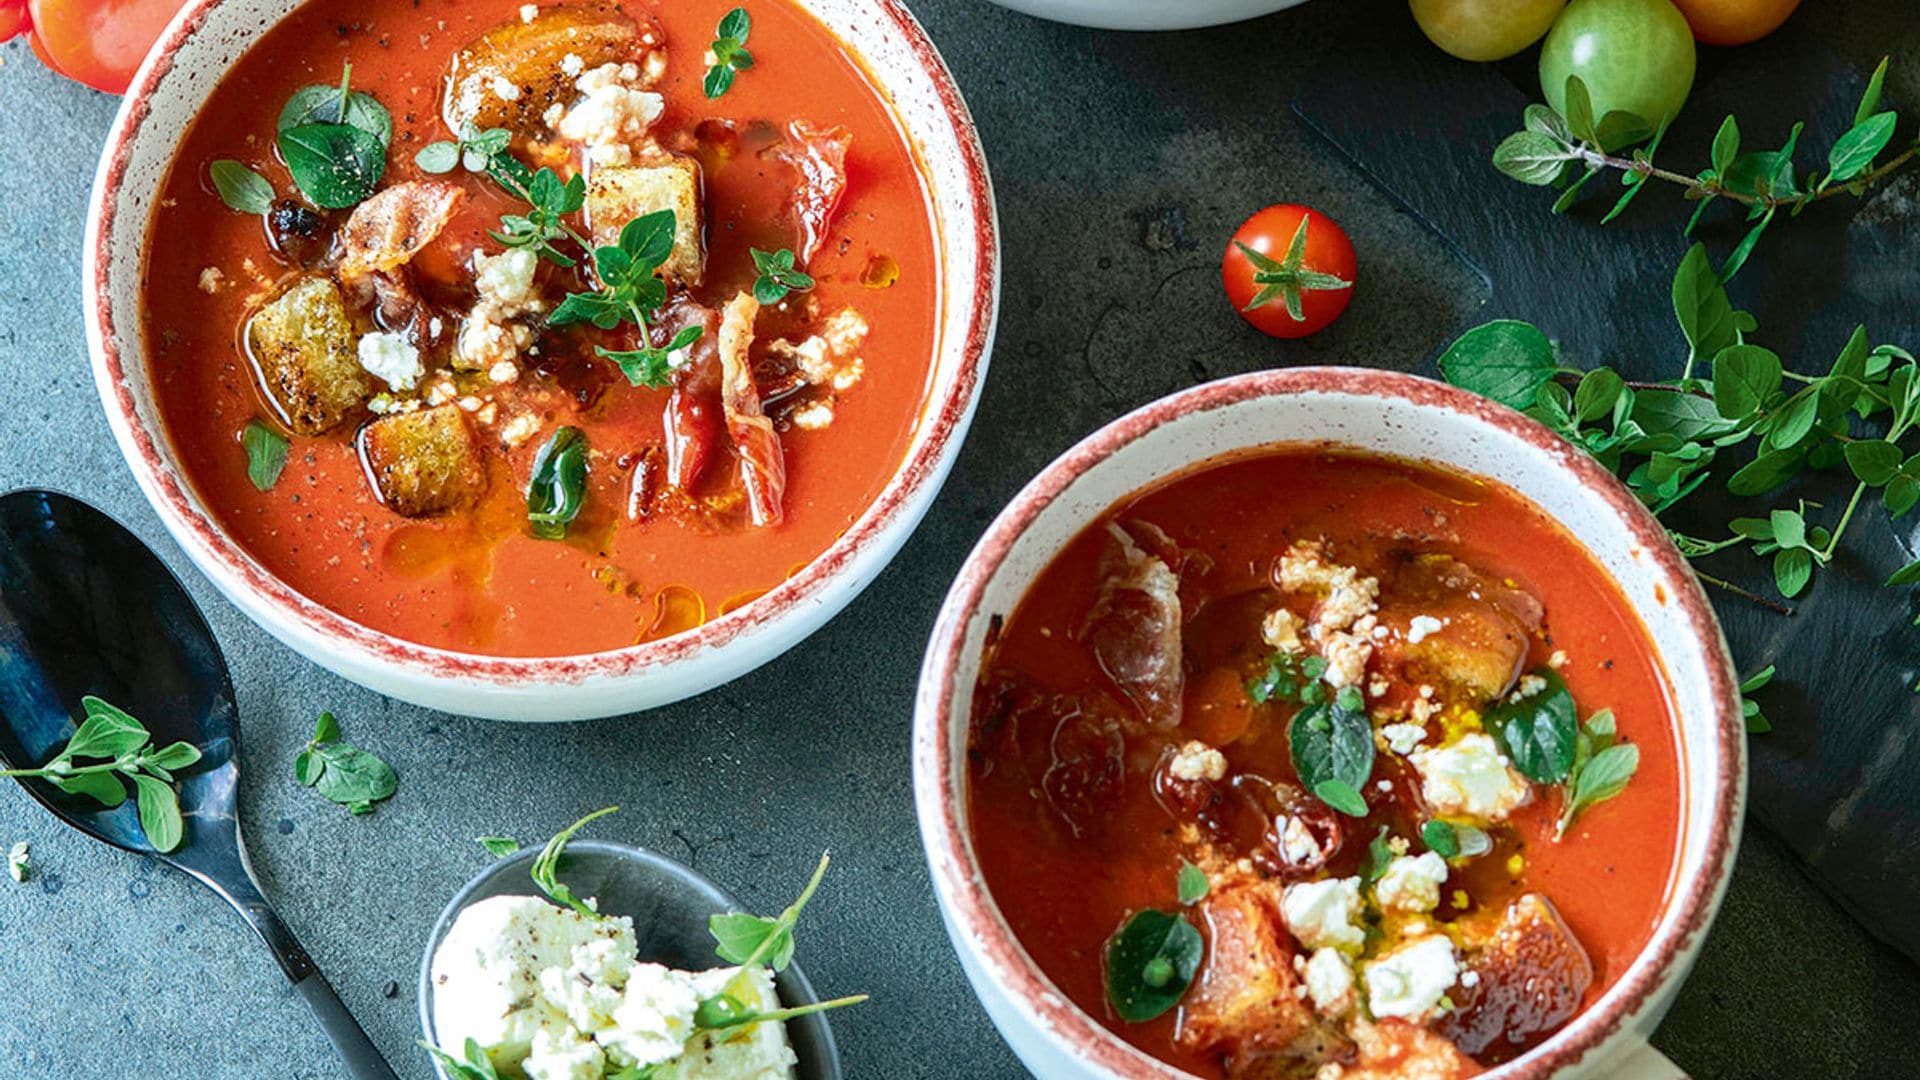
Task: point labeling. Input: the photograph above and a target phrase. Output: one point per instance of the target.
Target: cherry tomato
(98, 42)
(1484, 29)
(1289, 271)
(1734, 22)
(13, 19)
(1635, 56)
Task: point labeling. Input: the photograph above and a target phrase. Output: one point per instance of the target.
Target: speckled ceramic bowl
(1383, 413)
(669, 904)
(202, 43)
(1148, 14)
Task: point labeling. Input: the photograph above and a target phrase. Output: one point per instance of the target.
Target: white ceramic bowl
(202, 43)
(1384, 413)
(1148, 14)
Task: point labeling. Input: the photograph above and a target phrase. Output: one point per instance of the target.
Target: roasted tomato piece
(1134, 628)
(1086, 770)
(763, 466)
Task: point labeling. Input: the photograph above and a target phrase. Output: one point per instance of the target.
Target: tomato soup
(432, 412)
(1306, 759)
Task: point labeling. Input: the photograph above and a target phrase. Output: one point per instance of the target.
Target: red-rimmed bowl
(202, 43)
(1383, 413)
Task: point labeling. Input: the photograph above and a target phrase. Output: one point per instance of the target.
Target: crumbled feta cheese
(1346, 655)
(529, 12)
(612, 116)
(812, 416)
(211, 279)
(759, 1052)
(504, 89)
(1403, 738)
(1281, 630)
(1469, 978)
(1469, 778)
(1329, 980)
(1297, 842)
(1410, 981)
(1530, 684)
(1197, 761)
(830, 358)
(505, 283)
(503, 371)
(1347, 595)
(1324, 914)
(507, 278)
(393, 358)
(522, 427)
(571, 65)
(1422, 627)
(1412, 882)
(653, 1017)
(1558, 660)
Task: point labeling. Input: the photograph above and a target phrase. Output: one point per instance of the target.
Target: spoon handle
(362, 1059)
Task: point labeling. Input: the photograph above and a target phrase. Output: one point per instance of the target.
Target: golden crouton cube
(425, 462)
(511, 75)
(619, 194)
(304, 345)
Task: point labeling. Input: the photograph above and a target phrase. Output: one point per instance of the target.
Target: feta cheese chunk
(612, 116)
(1402, 739)
(1197, 761)
(1412, 882)
(1329, 980)
(393, 358)
(758, 1052)
(1324, 914)
(1410, 981)
(1421, 628)
(1470, 778)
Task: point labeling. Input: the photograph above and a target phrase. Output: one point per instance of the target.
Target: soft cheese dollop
(551, 994)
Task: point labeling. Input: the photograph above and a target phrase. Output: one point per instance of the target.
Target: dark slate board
(1839, 777)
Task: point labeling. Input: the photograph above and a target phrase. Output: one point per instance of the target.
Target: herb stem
(1745, 594)
(1846, 518)
(1597, 159)
(786, 1014)
(71, 770)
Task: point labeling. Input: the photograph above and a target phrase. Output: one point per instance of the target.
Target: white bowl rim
(898, 506)
(939, 784)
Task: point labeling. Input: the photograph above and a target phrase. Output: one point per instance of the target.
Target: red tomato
(1734, 22)
(1288, 271)
(13, 19)
(97, 42)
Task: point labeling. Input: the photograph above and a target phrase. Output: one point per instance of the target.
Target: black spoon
(85, 608)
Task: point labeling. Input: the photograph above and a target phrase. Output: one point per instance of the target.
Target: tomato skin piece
(1484, 29)
(1269, 233)
(1734, 22)
(99, 42)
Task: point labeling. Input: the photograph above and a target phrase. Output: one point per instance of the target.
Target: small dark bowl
(669, 904)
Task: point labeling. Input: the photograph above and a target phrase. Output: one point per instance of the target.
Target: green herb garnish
(1379, 854)
(1601, 769)
(498, 846)
(1567, 151)
(1151, 961)
(1332, 750)
(344, 774)
(266, 454)
(549, 201)
(1290, 677)
(1537, 730)
(241, 188)
(1454, 841)
(334, 141)
(1192, 884)
(546, 868)
(777, 276)
(730, 55)
(19, 862)
(631, 292)
(1286, 279)
(475, 1066)
(559, 486)
(474, 149)
(752, 940)
(1756, 721)
(113, 742)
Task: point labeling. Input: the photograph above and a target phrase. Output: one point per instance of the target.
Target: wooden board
(1839, 777)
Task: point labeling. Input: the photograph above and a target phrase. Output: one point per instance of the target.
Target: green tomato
(1484, 29)
(1635, 57)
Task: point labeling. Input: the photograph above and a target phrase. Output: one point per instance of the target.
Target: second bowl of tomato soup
(542, 361)
(1327, 723)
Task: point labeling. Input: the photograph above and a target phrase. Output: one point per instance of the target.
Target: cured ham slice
(819, 155)
(1134, 628)
(763, 469)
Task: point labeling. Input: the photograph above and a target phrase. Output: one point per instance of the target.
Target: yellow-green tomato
(1635, 56)
(1484, 29)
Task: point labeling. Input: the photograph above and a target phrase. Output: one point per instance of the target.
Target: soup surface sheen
(635, 565)
(1099, 766)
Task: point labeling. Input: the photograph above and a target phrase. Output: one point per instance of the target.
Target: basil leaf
(1604, 777)
(334, 165)
(1151, 961)
(559, 486)
(102, 787)
(1379, 854)
(1505, 360)
(1537, 731)
(159, 811)
(266, 454)
(241, 188)
(1332, 750)
(1192, 883)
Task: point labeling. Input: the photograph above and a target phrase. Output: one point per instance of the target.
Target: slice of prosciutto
(694, 420)
(1134, 628)
(391, 227)
(763, 469)
(819, 155)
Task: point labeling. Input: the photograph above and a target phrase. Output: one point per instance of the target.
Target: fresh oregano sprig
(631, 291)
(343, 774)
(730, 55)
(1552, 150)
(777, 276)
(752, 940)
(110, 746)
(546, 867)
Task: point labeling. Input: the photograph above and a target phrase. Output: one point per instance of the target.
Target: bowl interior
(669, 904)
(202, 44)
(1383, 413)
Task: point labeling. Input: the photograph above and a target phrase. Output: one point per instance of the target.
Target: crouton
(1245, 1006)
(307, 353)
(426, 462)
(1483, 628)
(619, 194)
(511, 75)
(1399, 1050)
(1529, 976)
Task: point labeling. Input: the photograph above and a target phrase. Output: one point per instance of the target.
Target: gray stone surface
(1121, 164)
